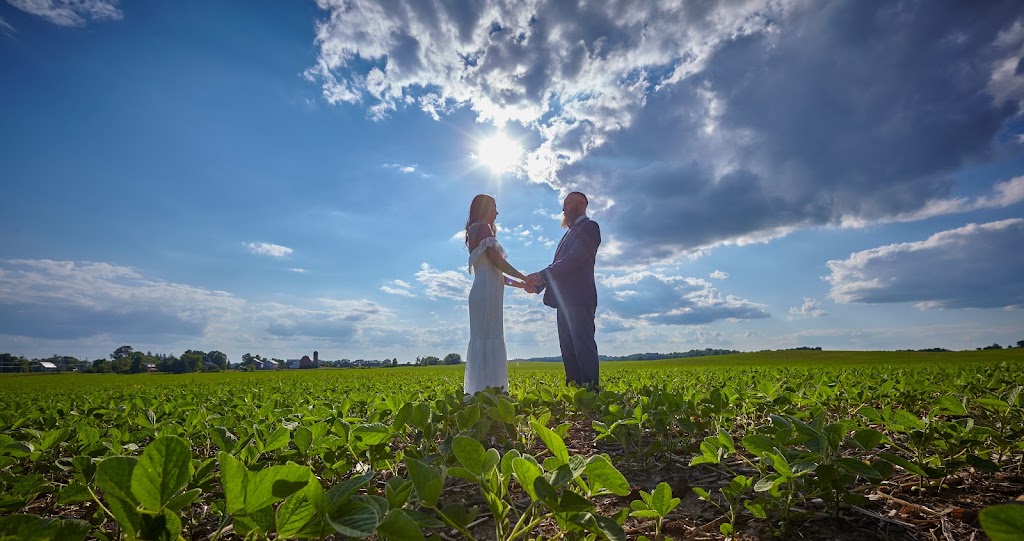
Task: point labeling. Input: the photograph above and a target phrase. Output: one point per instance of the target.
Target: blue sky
(278, 177)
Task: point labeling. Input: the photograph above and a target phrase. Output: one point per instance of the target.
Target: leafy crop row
(401, 454)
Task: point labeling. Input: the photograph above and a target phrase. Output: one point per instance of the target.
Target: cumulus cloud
(71, 12)
(693, 125)
(401, 168)
(398, 287)
(444, 284)
(975, 266)
(810, 308)
(68, 300)
(266, 248)
(336, 320)
(675, 300)
(719, 275)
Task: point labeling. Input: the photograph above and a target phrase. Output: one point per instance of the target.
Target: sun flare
(499, 153)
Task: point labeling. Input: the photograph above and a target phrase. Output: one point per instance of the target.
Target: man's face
(572, 208)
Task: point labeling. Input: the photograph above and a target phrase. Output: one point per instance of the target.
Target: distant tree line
(646, 356)
(124, 360)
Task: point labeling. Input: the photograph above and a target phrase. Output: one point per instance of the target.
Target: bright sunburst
(500, 153)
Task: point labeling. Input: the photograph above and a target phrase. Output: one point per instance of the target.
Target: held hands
(535, 280)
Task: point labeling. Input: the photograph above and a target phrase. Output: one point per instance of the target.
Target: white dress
(486, 360)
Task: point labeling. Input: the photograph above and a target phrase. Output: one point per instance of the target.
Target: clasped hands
(534, 282)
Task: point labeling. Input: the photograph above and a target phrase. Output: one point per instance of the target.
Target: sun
(499, 153)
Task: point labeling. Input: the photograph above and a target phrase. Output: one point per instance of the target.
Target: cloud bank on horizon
(696, 125)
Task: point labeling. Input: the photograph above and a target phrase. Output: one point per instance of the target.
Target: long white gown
(486, 360)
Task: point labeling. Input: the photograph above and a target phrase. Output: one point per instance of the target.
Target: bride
(486, 361)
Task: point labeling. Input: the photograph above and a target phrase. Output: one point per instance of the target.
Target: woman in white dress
(486, 360)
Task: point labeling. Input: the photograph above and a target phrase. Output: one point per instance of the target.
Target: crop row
(401, 454)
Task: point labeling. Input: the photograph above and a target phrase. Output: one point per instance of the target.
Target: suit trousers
(579, 348)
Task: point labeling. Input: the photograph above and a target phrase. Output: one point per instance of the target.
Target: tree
(1020, 343)
(139, 364)
(218, 359)
(121, 353)
(453, 358)
(192, 361)
(250, 360)
(101, 366)
(430, 360)
(993, 346)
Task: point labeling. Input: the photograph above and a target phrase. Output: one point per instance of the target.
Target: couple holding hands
(567, 284)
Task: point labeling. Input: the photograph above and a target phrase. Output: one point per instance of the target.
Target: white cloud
(444, 284)
(266, 248)
(810, 308)
(397, 291)
(298, 270)
(975, 266)
(67, 299)
(71, 12)
(675, 300)
(401, 168)
(692, 126)
(6, 28)
(719, 275)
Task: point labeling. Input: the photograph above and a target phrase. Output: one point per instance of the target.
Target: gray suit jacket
(569, 279)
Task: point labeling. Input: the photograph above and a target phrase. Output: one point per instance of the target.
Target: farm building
(305, 361)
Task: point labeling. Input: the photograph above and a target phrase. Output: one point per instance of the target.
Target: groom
(568, 284)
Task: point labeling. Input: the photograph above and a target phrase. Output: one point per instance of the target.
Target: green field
(838, 445)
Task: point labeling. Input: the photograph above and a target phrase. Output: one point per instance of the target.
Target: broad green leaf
(114, 477)
(427, 480)
(33, 528)
(491, 460)
(345, 489)
(868, 438)
(526, 472)
(303, 510)
(662, 500)
(902, 419)
(54, 438)
(397, 491)
(553, 441)
(470, 453)
(758, 445)
(949, 405)
(163, 525)
(1003, 522)
(224, 439)
(182, 500)
(163, 470)
(755, 509)
(904, 463)
(233, 478)
(371, 434)
(572, 502)
(603, 527)
(457, 513)
(354, 519)
(73, 493)
(982, 464)
(398, 525)
(277, 439)
(273, 484)
(602, 473)
(303, 438)
(855, 466)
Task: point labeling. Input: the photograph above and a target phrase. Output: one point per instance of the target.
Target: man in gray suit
(568, 285)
